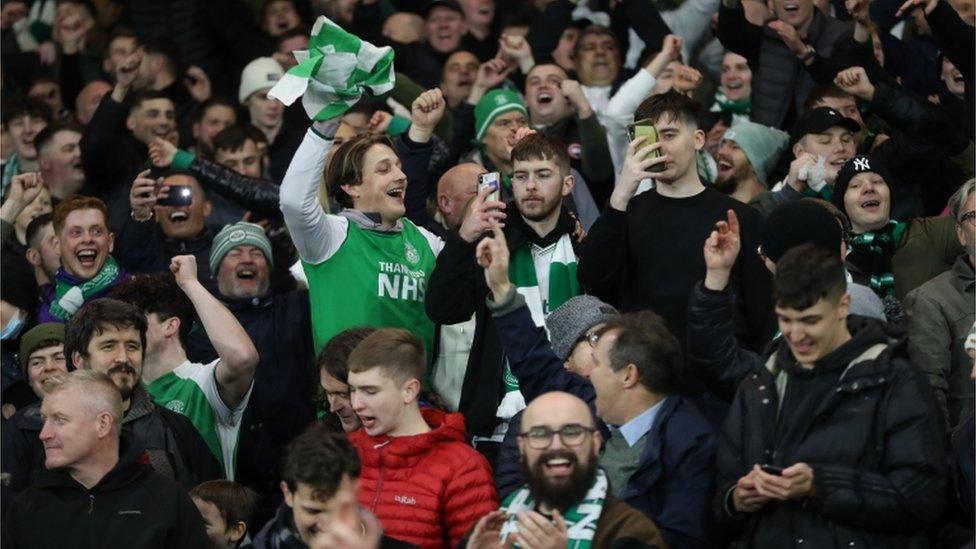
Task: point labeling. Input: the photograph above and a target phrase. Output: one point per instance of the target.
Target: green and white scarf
(333, 72)
(563, 284)
(872, 252)
(738, 106)
(69, 296)
(581, 519)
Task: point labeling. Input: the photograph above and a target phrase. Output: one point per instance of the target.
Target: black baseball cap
(819, 120)
(450, 4)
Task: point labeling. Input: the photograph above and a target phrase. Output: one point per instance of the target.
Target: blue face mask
(14, 326)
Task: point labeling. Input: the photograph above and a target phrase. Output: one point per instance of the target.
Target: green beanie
(761, 144)
(30, 341)
(494, 104)
(238, 234)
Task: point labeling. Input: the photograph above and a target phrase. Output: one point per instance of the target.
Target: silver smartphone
(490, 180)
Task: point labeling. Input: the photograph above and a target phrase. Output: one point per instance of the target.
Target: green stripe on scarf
(68, 298)
(872, 253)
(563, 284)
(581, 519)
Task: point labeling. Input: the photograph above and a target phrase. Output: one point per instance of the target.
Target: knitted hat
(237, 234)
(799, 222)
(572, 319)
(494, 104)
(31, 341)
(263, 72)
(854, 166)
(761, 144)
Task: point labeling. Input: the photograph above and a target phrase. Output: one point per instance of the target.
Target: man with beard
(88, 271)
(746, 154)
(822, 141)
(543, 238)
(559, 446)
(213, 395)
(59, 160)
(108, 336)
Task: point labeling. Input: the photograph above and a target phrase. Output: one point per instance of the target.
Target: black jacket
(131, 506)
(141, 247)
(872, 435)
(457, 290)
(176, 449)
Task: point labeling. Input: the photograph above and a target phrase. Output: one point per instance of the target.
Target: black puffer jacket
(872, 436)
(131, 506)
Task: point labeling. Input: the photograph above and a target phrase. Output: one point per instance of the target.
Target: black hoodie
(131, 506)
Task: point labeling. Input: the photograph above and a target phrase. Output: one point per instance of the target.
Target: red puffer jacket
(426, 489)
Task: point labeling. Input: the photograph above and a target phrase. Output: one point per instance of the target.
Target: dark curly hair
(805, 275)
(319, 458)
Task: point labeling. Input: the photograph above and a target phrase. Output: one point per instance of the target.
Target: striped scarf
(872, 251)
(562, 277)
(581, 519)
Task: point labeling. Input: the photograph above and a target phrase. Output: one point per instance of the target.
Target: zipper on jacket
(379, 479)
(91, 503)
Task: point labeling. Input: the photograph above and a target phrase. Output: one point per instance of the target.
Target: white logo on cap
(832, 112)
(861, 164)
(500, 99)
(237, 235)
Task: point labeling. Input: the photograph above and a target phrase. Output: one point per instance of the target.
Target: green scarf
(739, 106)
(69, 296)
(581, 519)
(563, 284)
(825, 193)
(872, 251)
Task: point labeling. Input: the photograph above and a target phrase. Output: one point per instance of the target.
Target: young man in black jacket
(644, 252)
(98, 489)
(837, 440)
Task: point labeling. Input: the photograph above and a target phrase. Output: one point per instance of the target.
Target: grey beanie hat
(238, 234)
(572, 319)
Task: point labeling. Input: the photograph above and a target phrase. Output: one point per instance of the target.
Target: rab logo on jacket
(405, 500)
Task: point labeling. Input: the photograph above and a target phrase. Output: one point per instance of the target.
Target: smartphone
(179, 195)
(649, 133)
(490, 180)
(772, 469)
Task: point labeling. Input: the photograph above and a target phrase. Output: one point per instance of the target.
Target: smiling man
(859, 448)
(88, 271)
(59, 160)
(436, 486)
(745, 155)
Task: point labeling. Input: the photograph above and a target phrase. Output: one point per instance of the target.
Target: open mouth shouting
(791, 8)
(397, 191)
(87, 257)
(872, 205)
(179, 218)
(544, 97)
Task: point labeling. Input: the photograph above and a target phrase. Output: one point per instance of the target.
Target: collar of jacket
(518, 232)
(650, 466)
(444, 427)
(131, 465)
(963, 275)
(140, 404)
(370, 221)
(189, 245)
(237, 305)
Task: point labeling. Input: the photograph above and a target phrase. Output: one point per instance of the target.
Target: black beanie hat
(854, 166)
(799, 222)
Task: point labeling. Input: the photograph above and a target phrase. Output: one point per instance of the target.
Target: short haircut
(158, 293)
(77, 202)
(87, 4)
(235, 502)
(216, 101)
(824, 91)
(347, 165)
(19, 107)
(397, 352)
(542, 146)
(147, 95)
(167, 49)
(232, 138)
(644, 341)
(319, 458)
(35, 227)
(957, 202)
(122, 32)
(93, 318)
(672, 106)
(187, 173)
(98, 392)
(334, 357)
(548, 63)
(45, 136)
(594, 30)
(805, 275)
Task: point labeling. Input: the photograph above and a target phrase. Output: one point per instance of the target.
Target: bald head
(456, 187)
(89, 98)
(556, 409)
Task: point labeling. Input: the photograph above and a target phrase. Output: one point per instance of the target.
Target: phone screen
(490, 180)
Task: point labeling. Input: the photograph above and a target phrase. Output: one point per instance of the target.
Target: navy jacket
(673, 482)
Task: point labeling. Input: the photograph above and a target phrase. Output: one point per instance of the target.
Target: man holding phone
(621, 259)
(167, 219)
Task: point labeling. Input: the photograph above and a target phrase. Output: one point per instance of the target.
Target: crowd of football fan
(594, 273)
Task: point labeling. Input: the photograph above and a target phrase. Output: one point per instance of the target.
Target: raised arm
(238, 357)
(736, 33)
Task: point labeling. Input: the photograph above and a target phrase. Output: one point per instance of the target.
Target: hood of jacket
(444, 427)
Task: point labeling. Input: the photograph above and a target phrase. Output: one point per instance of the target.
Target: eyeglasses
(968, 217)
(589, 338)
(572, 435)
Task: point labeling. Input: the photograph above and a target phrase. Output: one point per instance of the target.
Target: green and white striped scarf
(872, 252)
(581, 519)
(563, 284)
(333, 72)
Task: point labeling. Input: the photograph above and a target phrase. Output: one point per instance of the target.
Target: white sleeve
(434, 241)
(631, 94)
(223, 414)
(689, 22)
(317, 235)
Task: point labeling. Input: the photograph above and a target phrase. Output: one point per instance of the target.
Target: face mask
(14, 326)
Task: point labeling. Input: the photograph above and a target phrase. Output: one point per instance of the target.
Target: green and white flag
(333, 72)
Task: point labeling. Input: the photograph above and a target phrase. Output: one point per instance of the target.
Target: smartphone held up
(645, 129)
